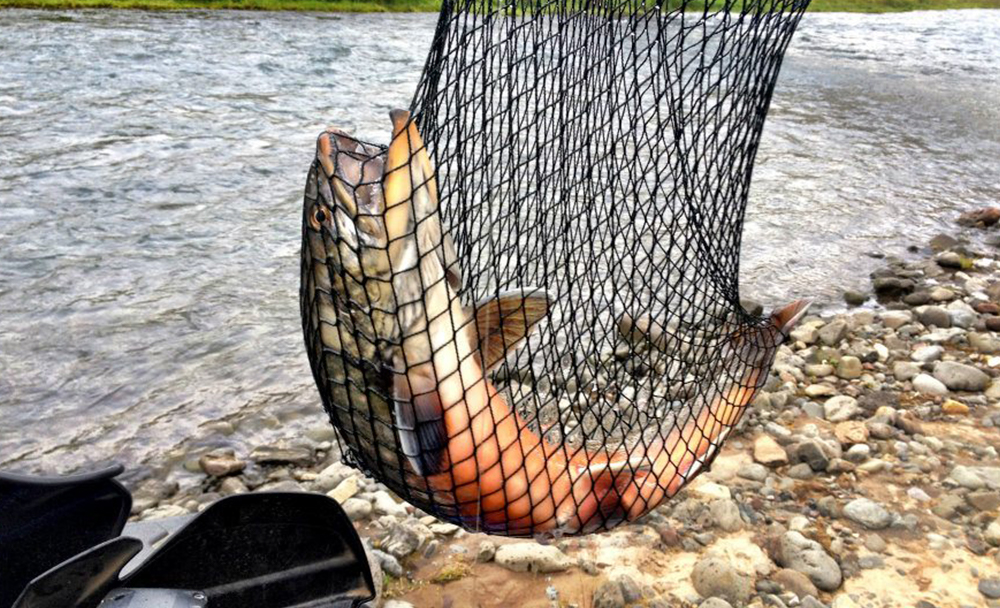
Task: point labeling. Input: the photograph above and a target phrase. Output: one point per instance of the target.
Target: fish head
(344, 217)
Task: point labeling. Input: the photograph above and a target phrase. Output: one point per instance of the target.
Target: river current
(151, 174)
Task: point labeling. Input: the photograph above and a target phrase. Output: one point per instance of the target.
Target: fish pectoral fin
(420, 422)
(505, 321)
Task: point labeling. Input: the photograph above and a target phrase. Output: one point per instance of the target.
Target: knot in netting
(531, 323)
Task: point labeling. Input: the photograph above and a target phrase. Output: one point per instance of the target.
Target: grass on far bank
(370, 6)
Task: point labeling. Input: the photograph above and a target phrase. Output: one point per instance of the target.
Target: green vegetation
(451, 572)
(366, 6)
(892, 6)
(346, 6)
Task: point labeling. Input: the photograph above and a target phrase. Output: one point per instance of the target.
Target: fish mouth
(349, 179)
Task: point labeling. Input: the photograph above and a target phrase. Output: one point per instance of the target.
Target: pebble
(984, 500)
(715, 602)
(608, 595)
(833, 332)
(837, 409)
(726, 514)
(935, 316)
(221, 463)
(905, 370)
(967, 478)
(150, 493)
(868, 513)
(960, 377)
(796, 582)
(918, 495)
(926, 354)
(388, 563)
(357, 508)
(345, 489)
(753, 471)
(805, 333)
(814, 451)
(330, 477)
(894, 319)
(384, 504)
(990, 587)
(851, 432)
(858, 453)
(808, 557)
(985, 343)
(992, 533)
(710, 490)
(163, 512)
(820, 390)
(849, 368)
(942, 294)
(294, 455)
(954, 408)
(487, 550)
(948, 506)
(716, 577)
(875, 543)
(405, 538)
(281, 485)
(855, 298)
(532, 557)
(232, 485)
(929, 385)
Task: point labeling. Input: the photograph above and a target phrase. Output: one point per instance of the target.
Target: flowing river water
(151, 174)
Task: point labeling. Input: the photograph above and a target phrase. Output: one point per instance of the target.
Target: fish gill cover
(523, 315)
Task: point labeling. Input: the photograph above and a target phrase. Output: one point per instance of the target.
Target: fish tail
(626, 485)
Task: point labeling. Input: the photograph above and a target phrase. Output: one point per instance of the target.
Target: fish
(404, 366)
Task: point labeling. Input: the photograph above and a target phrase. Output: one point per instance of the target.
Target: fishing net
(523, 315)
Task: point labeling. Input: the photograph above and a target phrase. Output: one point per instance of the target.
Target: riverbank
(866, 474)
(411, 6)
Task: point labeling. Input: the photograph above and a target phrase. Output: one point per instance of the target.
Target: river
(151, 174)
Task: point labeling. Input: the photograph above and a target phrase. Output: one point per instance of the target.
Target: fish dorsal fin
(424, 195)
(504, 321)
(397, 183)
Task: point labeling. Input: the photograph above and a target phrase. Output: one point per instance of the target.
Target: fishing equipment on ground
(523, 315)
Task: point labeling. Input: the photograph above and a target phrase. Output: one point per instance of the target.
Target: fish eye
(319, 216)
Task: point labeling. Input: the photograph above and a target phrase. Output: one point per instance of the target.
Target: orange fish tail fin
(785, 319)
(605, 490)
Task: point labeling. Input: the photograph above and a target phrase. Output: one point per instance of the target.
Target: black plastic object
(83, 580)
(45, 521)
(267, 549)
(155, 598)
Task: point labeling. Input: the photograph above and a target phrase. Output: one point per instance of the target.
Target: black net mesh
(532, 325)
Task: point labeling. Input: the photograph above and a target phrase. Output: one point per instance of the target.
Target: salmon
(403, 365)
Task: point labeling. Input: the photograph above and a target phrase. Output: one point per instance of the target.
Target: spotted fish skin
(345, 289)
